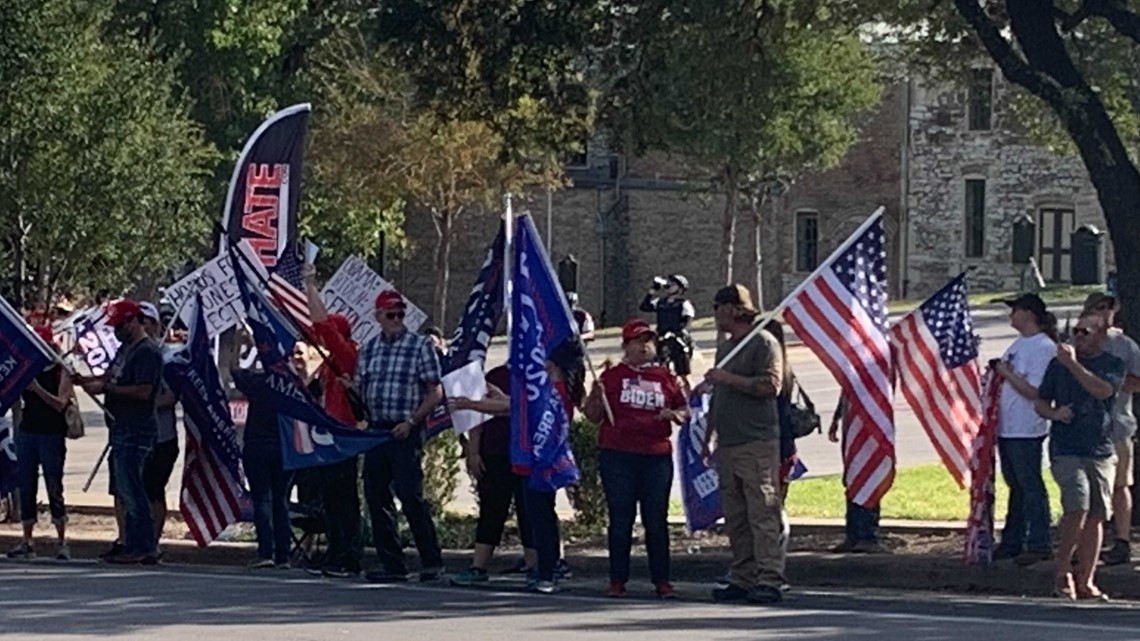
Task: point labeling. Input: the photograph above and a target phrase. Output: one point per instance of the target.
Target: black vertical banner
(265, 190)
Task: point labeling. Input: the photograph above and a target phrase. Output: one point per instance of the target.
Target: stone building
(946, 163)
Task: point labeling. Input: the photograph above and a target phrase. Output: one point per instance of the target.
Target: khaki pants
(750, 497)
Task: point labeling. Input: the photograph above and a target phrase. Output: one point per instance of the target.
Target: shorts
(1124, 475)
(1085, 484)
(158, 468)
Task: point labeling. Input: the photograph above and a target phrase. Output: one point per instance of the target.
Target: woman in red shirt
(643, 401)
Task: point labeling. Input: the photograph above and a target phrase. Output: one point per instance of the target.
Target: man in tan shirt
(744, 417)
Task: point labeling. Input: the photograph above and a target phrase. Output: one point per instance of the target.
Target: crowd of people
(1076, 394)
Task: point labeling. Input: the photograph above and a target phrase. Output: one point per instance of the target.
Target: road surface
(912, 446)
(75, 602)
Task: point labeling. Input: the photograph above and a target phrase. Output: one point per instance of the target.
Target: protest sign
(221, 302)
(95, 341)
(466, 382)
(352, 291)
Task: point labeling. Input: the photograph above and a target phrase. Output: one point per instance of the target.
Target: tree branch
(1116, 12)
(1017, 69)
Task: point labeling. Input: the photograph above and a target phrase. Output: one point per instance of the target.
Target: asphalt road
(912, 446)
(51, 602)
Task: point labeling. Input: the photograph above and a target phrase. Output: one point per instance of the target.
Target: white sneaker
(64, 553)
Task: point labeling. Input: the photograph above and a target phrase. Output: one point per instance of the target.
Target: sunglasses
(1081, 331)
(394, 315)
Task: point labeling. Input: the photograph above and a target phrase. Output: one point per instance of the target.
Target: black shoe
(1003, 553)
(427, 575)
(765, 594)
(1119, 554)
(384, 576)
(562, 570)
(730, 593)
(339, 572)
(116, 550)
(151, 559)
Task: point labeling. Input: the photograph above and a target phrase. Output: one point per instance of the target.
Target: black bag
(802, 414)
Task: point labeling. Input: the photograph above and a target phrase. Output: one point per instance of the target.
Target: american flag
(938, 371)
(840, 313)
(286, 291)
(980, 525)
(210, 498)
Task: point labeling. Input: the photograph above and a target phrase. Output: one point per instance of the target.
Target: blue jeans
(862, 523)
(395, 467)
(128, 460)
(1027, 522)
(34, 451)
(269, 489)
(632, 480)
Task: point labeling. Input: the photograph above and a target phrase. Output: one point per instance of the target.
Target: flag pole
(508, 264)
(767, 317)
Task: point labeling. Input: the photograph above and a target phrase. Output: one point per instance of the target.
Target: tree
(767, 90)
(1078, 59)
(102, 176)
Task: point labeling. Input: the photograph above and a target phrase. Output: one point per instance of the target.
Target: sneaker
(616, 589)
(545, 587)
(1029, 557)
(843, 548)
(151, 559)
(22, 551)
(765, 594)
(125, 559)
(562, 570)
(338, 572)
(1119, 554)
(723, 581)
(313, 568)
(427, 575)
(283, 565)
(470, 576)
(730, 593)
(115, 550)
(384, 576)
(261, 564)
(664, 590)
(63, 553)
(869, 547)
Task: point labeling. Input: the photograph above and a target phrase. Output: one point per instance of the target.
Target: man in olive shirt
(744, 417)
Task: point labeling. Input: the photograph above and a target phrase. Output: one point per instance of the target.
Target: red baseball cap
(44, 332)
(121, 311)
(635, 329)
(390, 299)
(341, 324)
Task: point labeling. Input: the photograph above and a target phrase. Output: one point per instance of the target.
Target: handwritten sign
(221, 300)
(352, 291)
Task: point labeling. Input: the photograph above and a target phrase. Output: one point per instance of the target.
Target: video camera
(659, 283)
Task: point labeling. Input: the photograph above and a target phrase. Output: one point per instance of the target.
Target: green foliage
(587, 496)
(442, 465)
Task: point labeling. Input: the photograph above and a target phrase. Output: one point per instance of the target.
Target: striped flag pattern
(980, 525)
(286, 290)
(840, 313)
(210, 495)
(938, 371)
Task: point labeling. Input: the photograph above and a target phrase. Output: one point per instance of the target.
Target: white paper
(311, 251)
(466, 382)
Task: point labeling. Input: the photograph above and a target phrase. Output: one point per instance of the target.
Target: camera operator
(674, 314)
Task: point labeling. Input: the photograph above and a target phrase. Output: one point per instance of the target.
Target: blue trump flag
(23, 355)
(309, 436)
(540, 427)
(700, 489)
(472, 337)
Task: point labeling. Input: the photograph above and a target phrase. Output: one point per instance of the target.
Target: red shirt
(342, 353)
(636, 396)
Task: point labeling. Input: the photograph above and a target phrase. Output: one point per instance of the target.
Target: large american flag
(938, 371)
(210, 498)
(286, 290)
(840, 313)
(980, 525)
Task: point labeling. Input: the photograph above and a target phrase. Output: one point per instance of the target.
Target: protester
(744, 418)
(438, 341)
(1121, 346)
(269, 482)
(1077, 396)
(398, 375)
(788, 454)
(1021, 431)
(41, 444)
(332, 333)
(861, 530)
(130, 388)
(635, 453)
(160, 464)
(496, 485)
(582, 318)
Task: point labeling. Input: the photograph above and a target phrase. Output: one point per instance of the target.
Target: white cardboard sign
(352, 291)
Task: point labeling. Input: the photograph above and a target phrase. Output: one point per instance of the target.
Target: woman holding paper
(636, 403)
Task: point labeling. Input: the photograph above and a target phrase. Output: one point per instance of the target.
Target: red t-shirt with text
(636, 396)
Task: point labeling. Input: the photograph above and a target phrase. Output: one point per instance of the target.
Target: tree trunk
(756, 202)
(445, 223)
(728, 225)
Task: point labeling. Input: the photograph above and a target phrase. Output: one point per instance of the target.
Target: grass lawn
(923, 492)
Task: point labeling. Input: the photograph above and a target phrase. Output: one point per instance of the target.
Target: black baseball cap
(1029, 302)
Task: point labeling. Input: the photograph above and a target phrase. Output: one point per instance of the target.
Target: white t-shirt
(1028, 356)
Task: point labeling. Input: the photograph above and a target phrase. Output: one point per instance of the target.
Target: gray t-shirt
(1089, 434)
(1123, 347)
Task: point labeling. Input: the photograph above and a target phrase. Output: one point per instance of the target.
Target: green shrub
(442, 465)
(587, 497)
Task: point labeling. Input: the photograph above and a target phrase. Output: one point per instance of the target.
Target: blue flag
(700, 485)
(193, 377)
(273, 335)
(472, 337)
(540, 427)
(23, 355)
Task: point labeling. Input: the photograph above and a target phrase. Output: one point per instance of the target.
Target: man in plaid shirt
(398, 375)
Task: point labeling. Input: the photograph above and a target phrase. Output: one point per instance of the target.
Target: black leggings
(498, 488)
